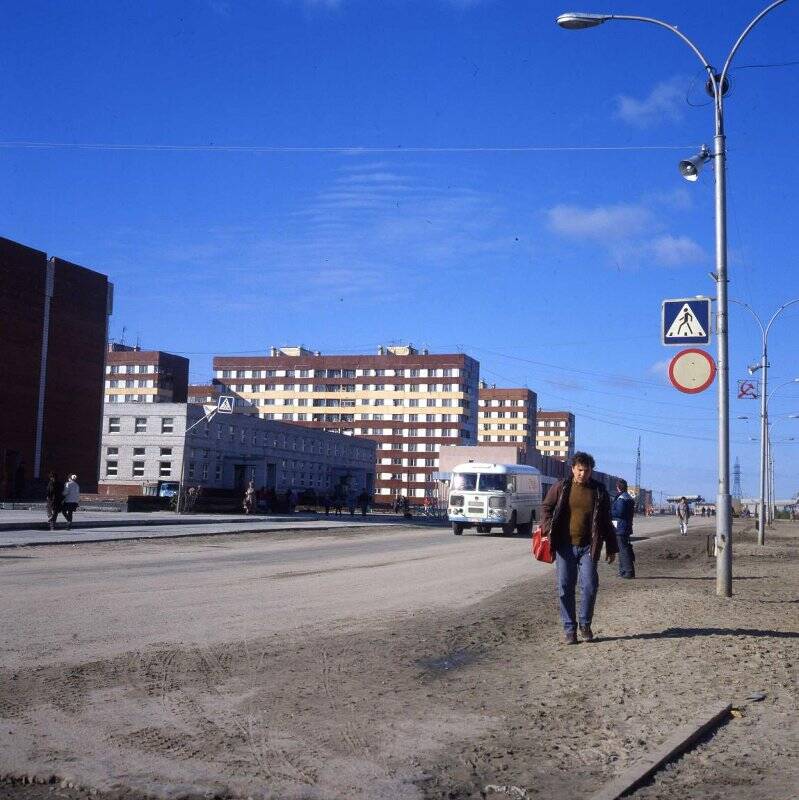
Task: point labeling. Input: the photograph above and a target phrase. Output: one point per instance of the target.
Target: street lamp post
(717, 85)
(763, 366)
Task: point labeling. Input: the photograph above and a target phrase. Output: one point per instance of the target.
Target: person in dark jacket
(54, 499)
(576, 517)
(622, 512)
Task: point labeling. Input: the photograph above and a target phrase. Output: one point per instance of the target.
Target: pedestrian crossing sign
(686, 321)
(224, 405)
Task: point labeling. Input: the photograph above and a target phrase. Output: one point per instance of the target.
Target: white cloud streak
(631, 235)
(665, 103)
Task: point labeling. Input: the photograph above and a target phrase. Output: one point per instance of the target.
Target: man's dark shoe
(570, 637)
(586, 633)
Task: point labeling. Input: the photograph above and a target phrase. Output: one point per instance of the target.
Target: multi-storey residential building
(555, 434)
(506, 415)
(147, 444)
(204, 393)
(133, 375)
(410, 402)
(53, 329)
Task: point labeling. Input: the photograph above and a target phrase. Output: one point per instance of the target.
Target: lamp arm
(778, 312)
(674, 30)
(763, 331)
(745, 33)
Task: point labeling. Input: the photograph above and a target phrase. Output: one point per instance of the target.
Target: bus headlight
(497, 502)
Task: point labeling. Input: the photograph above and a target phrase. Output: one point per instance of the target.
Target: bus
(486, 496)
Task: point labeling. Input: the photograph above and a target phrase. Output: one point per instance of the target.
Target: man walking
(683, 514)
(54, 499)
(71, 499)
(622, 512)
(576, 517)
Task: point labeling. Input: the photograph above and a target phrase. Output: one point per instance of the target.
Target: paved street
(91, 600)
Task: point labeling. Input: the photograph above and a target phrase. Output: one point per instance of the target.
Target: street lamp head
(576, 21)
(691, 167)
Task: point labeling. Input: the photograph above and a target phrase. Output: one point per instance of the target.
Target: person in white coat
(71, 499)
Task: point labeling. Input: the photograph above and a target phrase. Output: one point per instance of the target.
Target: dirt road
(142, 672)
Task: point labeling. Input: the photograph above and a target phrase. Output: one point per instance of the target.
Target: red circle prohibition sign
(690, 366)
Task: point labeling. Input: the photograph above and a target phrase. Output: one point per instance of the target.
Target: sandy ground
(481, 702)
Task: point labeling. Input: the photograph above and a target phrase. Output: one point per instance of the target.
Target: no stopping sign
(692, 371)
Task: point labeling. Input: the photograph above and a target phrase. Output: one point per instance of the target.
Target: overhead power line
(341, 149)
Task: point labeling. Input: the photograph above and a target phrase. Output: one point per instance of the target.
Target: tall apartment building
(204, 393)
(133, 375)
(53, 329)
(506, 415)
(555, 434)
(410, 402)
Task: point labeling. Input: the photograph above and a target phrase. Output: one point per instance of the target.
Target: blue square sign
(686, 321)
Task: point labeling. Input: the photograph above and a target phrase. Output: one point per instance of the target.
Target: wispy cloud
(631, 234)
(369, 233)
(665, 103)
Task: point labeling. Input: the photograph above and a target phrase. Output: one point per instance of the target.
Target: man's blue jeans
(575, 563)
(626, 556)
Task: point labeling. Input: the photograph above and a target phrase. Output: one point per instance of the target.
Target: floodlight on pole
(691, 167)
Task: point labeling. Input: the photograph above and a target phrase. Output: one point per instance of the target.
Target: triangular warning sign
(225, 405)
(685, 325)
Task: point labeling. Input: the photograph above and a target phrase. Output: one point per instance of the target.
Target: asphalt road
(72, 604)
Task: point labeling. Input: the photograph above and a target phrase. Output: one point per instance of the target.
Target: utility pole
(638, 476)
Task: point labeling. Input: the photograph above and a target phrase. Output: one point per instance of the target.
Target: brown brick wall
(23, 273)
(75, 365)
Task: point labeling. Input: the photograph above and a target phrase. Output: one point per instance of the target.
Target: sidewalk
(23, 528)
(666, 649)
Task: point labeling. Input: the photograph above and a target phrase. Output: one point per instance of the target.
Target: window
(167, 424)
(113, 424)
(140, 425)
(164, 469)
(166, 451)
(218, 472)
(112, 451)
(205, 472)
(191, 469)
(138, 451)
(111, 468)
(138, 469)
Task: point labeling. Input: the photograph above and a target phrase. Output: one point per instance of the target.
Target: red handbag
(542, 550)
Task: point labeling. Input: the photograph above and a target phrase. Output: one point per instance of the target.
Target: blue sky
(346, 173)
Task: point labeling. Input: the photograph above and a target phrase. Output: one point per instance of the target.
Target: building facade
(409, 402)
(206, 394)
(146, 446)
(506, 416)
(555, 434)
(53, 329)
(133, 375)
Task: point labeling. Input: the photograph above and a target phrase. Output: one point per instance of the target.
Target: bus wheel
(457, 528)
(525, 529)
(507, 530)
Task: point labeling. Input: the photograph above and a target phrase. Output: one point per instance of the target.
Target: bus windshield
(493, 483)
(465, 481)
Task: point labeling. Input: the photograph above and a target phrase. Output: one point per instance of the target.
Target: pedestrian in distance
(71, 495)
(363, 502)
(351, 502)
(576, 518)
(683, 515)
(326, 504)
(249, 498)
(622, 513)
(55, 498)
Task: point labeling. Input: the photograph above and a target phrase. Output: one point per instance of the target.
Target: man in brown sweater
(577, 519)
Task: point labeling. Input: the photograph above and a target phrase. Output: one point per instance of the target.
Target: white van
(486, 496)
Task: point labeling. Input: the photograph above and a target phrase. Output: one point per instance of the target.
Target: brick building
(133, 375)
(410, 402)
(53, 329)
(506, 415)
(555, 434)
